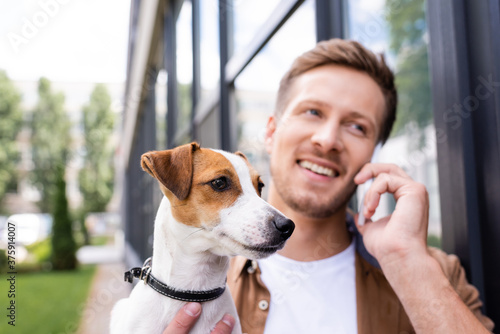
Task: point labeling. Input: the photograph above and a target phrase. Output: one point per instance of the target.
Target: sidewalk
(107, 287)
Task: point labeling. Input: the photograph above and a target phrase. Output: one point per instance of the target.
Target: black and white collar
(145, 275)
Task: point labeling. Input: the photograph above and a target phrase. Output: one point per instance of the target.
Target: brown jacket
(379, 310)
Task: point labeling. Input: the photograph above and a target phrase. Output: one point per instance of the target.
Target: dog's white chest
(149, 312)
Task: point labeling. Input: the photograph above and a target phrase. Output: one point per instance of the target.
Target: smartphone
(363, 188)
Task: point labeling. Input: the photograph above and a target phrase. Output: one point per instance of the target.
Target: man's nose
(328, 137)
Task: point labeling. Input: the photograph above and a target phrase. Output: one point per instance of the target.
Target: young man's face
(327, 132)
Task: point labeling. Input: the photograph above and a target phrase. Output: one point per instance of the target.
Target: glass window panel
(257, 85)
(248, 17)
(209, 130)
(161, 110)
(209, 46)
(184, 65)
(399, 30)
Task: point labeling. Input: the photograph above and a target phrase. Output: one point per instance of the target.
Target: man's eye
(219, 184)
(358, 127)
(313, 112)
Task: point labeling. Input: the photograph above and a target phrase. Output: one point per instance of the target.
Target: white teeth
(317, 168)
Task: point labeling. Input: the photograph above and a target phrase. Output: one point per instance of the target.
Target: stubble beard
(313, 205)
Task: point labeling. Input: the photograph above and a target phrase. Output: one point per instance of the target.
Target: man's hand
(187, 316)
(404, 233)
(399, 243)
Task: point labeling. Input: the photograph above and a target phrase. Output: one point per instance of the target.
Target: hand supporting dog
(211, 210)
(187, 316)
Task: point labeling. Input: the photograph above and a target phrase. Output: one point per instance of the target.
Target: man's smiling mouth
(318, 169)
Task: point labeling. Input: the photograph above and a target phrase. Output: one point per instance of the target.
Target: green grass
(46, 302)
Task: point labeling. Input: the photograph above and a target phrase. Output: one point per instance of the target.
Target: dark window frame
(464, 52)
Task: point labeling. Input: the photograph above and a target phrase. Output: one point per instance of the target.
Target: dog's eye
(260, 185)
(219, 184)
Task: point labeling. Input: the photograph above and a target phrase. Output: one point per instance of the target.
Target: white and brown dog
(211, 210)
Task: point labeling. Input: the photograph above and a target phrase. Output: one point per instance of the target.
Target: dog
(211, 210)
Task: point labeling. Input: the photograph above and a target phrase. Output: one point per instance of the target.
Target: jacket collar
(239, 265)
(358, 239)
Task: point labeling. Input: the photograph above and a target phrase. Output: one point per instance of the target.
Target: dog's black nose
(284, 225)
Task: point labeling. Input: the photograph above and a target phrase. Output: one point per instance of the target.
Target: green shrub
(40, 250)
(3, 261)
(63, 242)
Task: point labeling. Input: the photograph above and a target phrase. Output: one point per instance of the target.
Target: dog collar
(145, 275)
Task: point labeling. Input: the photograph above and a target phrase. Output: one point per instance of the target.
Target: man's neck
(313, 238)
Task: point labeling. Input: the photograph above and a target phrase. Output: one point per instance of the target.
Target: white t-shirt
(311, 297)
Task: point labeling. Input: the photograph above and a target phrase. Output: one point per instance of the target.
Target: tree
(63, 242)
(96, 178)
(50, 141)
(408, 41)
(10, 125)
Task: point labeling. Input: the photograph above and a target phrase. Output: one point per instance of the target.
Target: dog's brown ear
(241, 155)
(172, 168)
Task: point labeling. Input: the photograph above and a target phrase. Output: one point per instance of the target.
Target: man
(334, 105)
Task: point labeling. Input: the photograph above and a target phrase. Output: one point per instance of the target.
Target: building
(217, 65)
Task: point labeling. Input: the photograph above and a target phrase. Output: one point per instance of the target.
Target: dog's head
(217, 194)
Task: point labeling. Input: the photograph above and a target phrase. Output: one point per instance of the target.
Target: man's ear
(172, 168)
(270, 130)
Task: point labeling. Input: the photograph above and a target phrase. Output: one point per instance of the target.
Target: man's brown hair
(350, 54)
